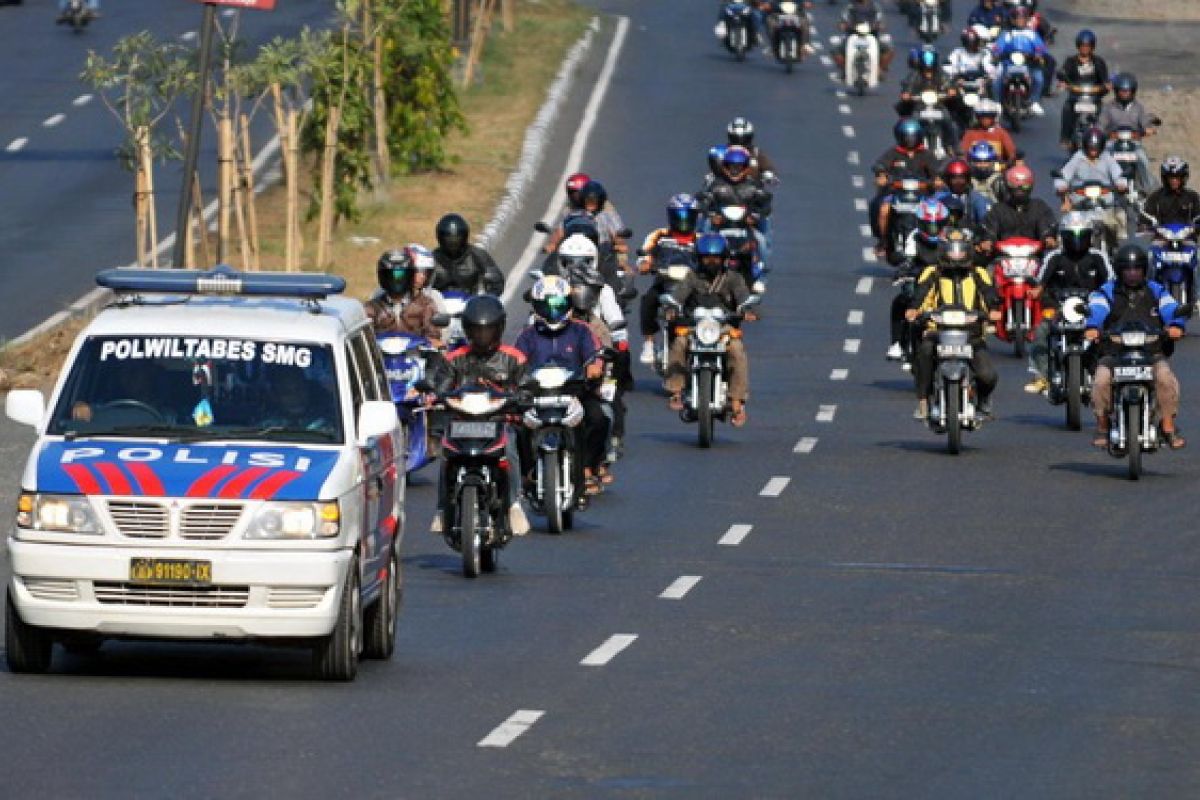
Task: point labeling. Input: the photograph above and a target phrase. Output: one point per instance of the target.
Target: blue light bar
(221, 280)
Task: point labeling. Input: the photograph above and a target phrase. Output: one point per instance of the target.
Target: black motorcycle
(907, 192)
(553, 415)
(1069, 369)
(609, 263)
(736, 27)
(952, 408)
(1132, 427)
(789, 34)
(1017, 90)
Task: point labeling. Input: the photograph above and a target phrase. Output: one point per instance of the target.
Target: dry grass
(1148, 11)
(1180, 112)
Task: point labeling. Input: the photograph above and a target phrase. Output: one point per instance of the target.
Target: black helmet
(1129, 258)
(1093, 140)
(1174, 167)
(1085, 36)
(1075, 231)
(907, 133)
(394, 271)
(453, 232)
(483, 321)
(593, 190)
(955, 251)
(741, 131)
(1125, 82)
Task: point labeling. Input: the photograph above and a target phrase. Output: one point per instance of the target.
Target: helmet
(1125, 82)
(954, 252)
(593, 190)
(932, 216)
(908, 133)
(1093, 141)
(483, 321)
(987, 108)
(970, 38)
(574, 184)
(394, 271)
(1129, 258)
(928, 58)
(715, 154)
(1174, 167)
(1085, 37)
(420, 257)
(741, 131)
(453, 233)
(585, 295)
(577, 256)
(955, 211)
(712, 251)
(551, 300)
(1018, 17)
(735, 162)
(956, 168)
(682, 213)
(983, 160)
(1075, 231)
(1018, 181)
(583, 224)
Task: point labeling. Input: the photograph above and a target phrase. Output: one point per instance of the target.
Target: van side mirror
(26, 406)
(376, 418)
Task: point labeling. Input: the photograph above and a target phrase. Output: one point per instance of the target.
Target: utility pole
(192, 154)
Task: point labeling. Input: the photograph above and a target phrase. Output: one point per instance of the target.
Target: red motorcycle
(1015, 274)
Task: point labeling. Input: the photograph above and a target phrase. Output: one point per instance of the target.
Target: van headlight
(296, 521)
(56, 513)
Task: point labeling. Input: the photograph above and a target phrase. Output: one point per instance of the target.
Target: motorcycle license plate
(471, 429)
(1125, 157)
(930, 113)
(1134, 373)
(170, 571)
(1085, 108)
(788, 21)
(955, 350)
(608, 390)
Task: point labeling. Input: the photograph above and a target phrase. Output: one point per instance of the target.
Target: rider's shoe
(647, 354)
(518, 523)
(1038, 385)
(921, 412)
(1037, 110)
(895, 352)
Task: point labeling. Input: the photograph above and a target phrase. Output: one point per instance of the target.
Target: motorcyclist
(908, 156)
(574, 185)
(461, 265)
(555, 338)
(971, 60)
(987, 129)
(921, 251)
(1126, 111)
(405, 303)
(712, 280)
(1019, 213)
(1093, 164)
(1020, 39)
(956, 176)
(1173, 203)
(954, 280)
(1082, 69)
(64, 8)
(1036, 21)
(1075, 266)
(856, 13)
(927, 76)
(986, 171)
(1131, 298)
(735, 187)
(485, 361)
(683, 214)
(741, 132)
(988, 14)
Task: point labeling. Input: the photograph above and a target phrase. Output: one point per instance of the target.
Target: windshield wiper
(172, 432)
(275, 433)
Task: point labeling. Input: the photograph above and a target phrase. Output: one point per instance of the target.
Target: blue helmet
(983, 160)
(682, 213)
(1085, 36)
(715, 154)
(908, 132)
(712, 251)
(928, 58)
(736, 156)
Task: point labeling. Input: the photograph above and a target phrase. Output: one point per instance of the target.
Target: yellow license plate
(170, 570)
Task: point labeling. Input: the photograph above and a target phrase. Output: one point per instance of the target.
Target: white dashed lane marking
(852, 157)
(857, 181)
(609, 650)
(839, 374)
(833, 76)
(827, 61)
(869, 255)
(16, 145)
(855, 317)
(861, 204)
(826, 413)
(681, 586)
(734, 536)
(864, 285)
(82, 100)
(848, 131)
(843, 108)
(507, 732)
(851, 345)
(55, 120)
(775, 486)
(805, 445)
(865, 230)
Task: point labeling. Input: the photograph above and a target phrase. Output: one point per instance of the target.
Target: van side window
(370, 364)
(380, 370)
(356, 390)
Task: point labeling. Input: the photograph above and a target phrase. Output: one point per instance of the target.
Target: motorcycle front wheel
(1074, 392)
(1133, 440)
(704, 409)
(470, 544)
(953, 417)
(551, 486)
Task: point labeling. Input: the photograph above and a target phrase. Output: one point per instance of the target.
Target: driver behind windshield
(298, 403)
(133, 392)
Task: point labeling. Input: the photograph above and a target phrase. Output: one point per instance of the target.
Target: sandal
(676, 402)
(605, 475)
(1174, 440)
(739, 416)
(1101, 439)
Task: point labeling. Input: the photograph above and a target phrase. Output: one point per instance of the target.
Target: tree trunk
(225, 187)
(292, 160)
(248, 196)
(328, 164)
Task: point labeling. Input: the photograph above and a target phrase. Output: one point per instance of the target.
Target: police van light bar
(221, 280)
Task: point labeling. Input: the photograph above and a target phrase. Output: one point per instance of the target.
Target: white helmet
(551, 301)
(577, 255)
(422, 259)
(987, 107)
(741, 131)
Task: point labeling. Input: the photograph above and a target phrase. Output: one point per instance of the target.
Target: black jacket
(502, 371)
(896, 162)
(474, 272)
(748, 193)
(1062, 273)
(1168, 207)
(1035, 221)
(1075, 77)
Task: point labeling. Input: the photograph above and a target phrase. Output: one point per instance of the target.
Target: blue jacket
(571, 348)
(1022, 41)
(1101, 302)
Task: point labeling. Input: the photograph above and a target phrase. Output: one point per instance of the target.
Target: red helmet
(958, 168)
(1019, 177)
(577, 181)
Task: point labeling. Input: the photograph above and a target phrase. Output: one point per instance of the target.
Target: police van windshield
(197, 388)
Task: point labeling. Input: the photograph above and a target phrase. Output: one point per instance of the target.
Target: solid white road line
(869, 255)
(848, 131)
(864, 285)
(681, 586)
(609, 650)
(82, 100)
(826, 413)
(734, 536)
(833, 76)
(52, 121)
(516, 279)
(805, 445)
(16, 145)
(855, 317)
(775, 486)
(506, 732)
(839, 374)
(852, 157)
(861, 204)
(851, 345)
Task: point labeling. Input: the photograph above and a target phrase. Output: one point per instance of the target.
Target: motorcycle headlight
(56, 513)
(476, 404)
(1018, 59)
(929, 98)
(708, 331)
(952, 317)
(295, 521)
(551, 377)
(1133, 338)
(862, 28)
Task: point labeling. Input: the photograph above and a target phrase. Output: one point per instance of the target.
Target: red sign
(261, 5)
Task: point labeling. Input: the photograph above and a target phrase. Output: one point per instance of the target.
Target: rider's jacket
(1019, 41)
(1081, 169)
(728, 290)
(1173, 207)
(987, 17)
(1115, 304)
(897, 161)
(571, 347)
(1131, 115)
(1000, 140)
(869, 13)
(1035, 220)
(502, 369)
(963, 63)
(747, 193)
(1060, 272)
(410, 314)
(971, 289)
(661, 239)
(474, 272)
(1079, 72)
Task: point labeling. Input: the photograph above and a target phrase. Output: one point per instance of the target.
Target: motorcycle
(1132, 428)
(932, 115)
(675, 267)
(987, 34)
(1126, 149)
(1015, 270)
(708, 330)
(1174, 257)
(952, 406)
(972, 87)
(1068, 372)
(77, 15)
(1097, 203)
(790, 33)
(406, 359)
(737, 21)
(907, 192)
(1084, 102)
(731, 222)
(554, 414)
(1016, 90)
(862, 59)
(929, 21)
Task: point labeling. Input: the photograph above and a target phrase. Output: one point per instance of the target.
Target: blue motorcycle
(1173, 257)
(405, 361)
(736, 28)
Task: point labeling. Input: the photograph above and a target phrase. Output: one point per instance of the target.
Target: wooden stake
(147, 156)
(508, 13)
(141, 221)
(201, 228)
(382, 153)
(224, 184)
(328, 164)
(247, 163)
(292, 160)
(478, 35)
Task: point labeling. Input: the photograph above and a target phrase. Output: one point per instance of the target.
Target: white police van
(220, 459)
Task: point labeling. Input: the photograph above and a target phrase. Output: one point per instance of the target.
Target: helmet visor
(552, 309)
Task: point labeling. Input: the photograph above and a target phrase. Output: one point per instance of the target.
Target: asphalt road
(1019, 621)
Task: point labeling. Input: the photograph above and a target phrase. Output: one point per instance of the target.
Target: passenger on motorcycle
(734, 186)
(405, 302)
(555, 338)
(921, 251)
(986, 177)
(574, 186)
(1037, 21)
(461, 265)
(908, 156)
(1019, 39)
(485, 361)
(856, 13)
(1019, 213)
(957, 178)
(1093, 164)
(1126, 111)
(1174, 203)
(1076, 265)
(1082, 69)
(927, 76)
(740, 132)
(987, 129)
(954, 280)
(712, 279)
(1133, 298)
(683, 214)
(970, 60)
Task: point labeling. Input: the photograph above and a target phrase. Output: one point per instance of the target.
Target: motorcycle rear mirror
(541, 227)
(536, 274)
(624, 233)
(440, 320)
(751, 301)
(1056, 173)
(668, 300)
